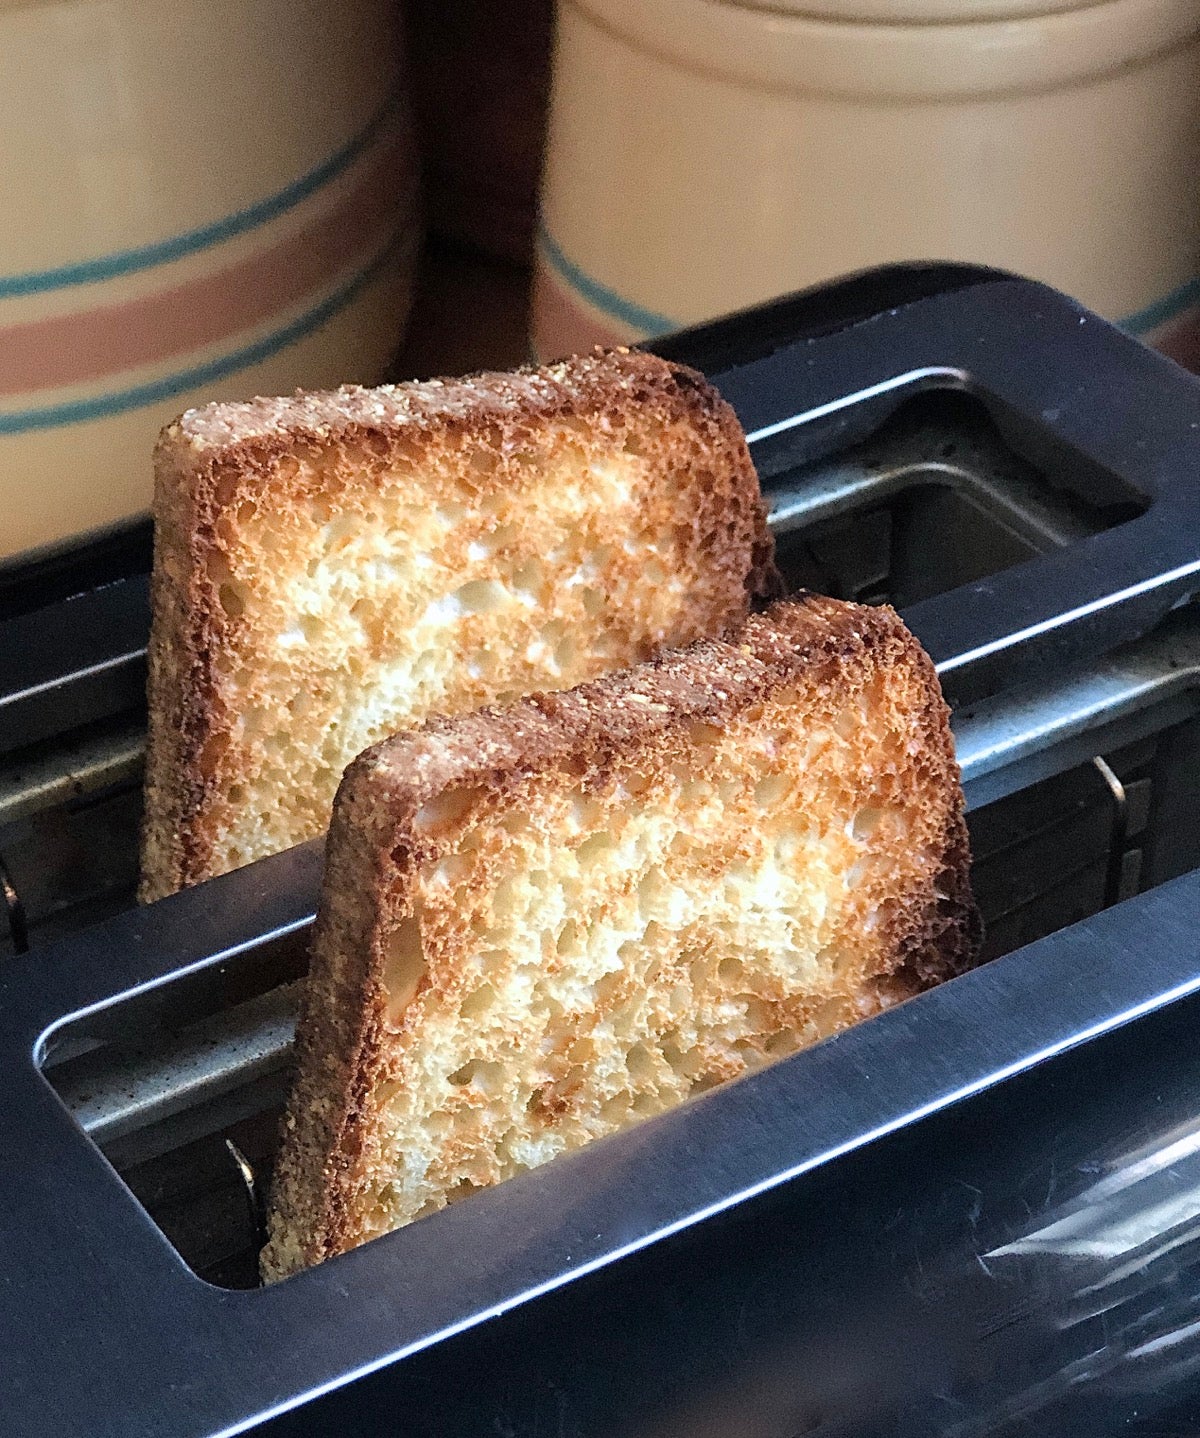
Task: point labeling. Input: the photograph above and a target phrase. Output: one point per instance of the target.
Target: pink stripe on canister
(63, 350)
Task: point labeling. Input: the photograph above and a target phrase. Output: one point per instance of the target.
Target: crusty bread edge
(208, 460)
(374, 843)
(179, 673)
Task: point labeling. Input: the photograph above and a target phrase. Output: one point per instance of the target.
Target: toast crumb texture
(544, 923)
(332, 568)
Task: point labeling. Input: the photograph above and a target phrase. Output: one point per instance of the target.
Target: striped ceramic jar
(203, 199)
(705, 155)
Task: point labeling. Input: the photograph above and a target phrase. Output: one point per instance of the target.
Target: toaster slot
(935, 499)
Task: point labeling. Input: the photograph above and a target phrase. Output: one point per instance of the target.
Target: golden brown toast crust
(856, 670)
(240, 485)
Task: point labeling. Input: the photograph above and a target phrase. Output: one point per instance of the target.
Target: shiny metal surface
(1022, 1263)
(113, 1091)
(988, 474)
(1041, 729)
(865, 1253)
(73, 662)
(85, 764)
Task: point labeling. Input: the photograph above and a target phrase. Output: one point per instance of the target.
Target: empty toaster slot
(934, 500)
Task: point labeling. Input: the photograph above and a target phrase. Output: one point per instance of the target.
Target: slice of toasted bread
(333, 567)
(542, 923)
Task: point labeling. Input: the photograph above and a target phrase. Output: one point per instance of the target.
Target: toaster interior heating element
(1076, 699)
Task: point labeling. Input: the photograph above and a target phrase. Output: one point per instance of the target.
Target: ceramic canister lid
(915, 12)
(794, 50)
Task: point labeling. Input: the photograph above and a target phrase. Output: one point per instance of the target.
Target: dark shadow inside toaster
(933, 500)
(187, 1111)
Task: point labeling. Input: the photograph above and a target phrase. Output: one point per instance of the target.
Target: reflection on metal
(1112, 1275)
(17, 930)
(1128, 1212)
(72, 770)
(69, 813)
(115, 1091)
(987, 475)
(1120, 827)
(255, 1199)
(1043, 729)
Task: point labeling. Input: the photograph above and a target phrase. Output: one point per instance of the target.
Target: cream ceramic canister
(202, 199)
(704, 155)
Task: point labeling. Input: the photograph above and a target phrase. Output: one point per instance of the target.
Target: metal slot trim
(945, 376)
(994, 737)
(839, 489)
(112, 1092)
(85, 766)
